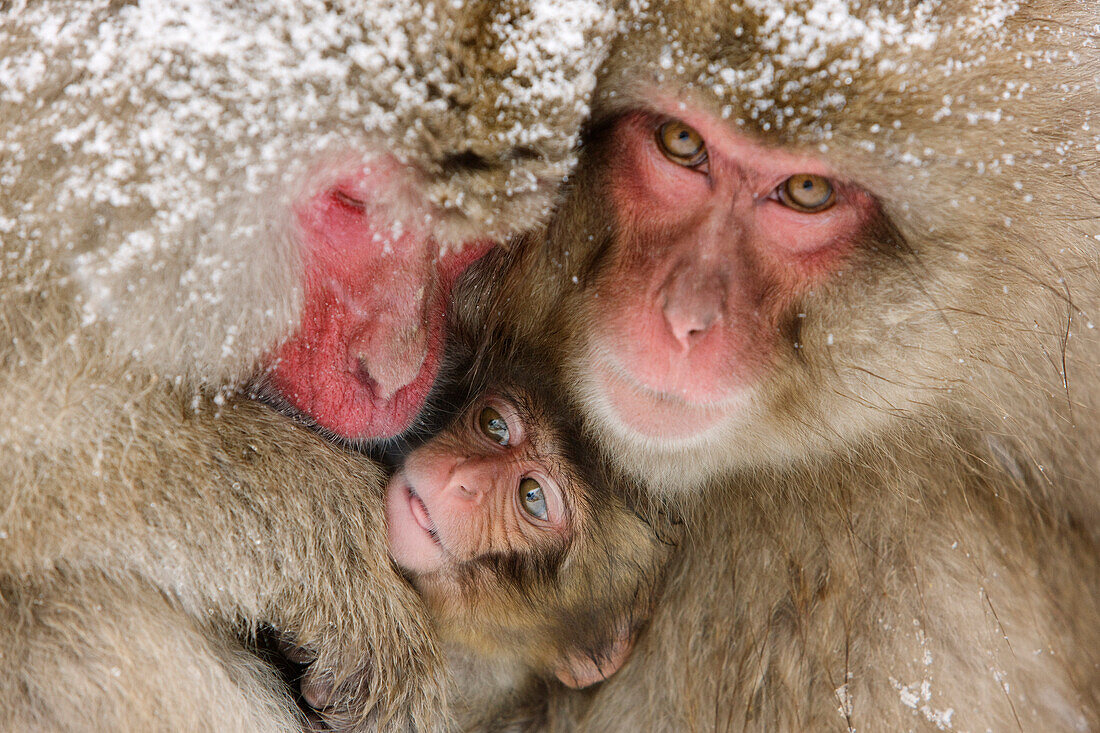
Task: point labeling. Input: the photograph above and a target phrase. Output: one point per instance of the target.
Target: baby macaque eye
(807, 192)
(533, 499)
(494, 426)
(681, 144)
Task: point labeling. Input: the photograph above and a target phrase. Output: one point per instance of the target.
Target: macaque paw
(346, 691)
(315, 689)
(377, 281)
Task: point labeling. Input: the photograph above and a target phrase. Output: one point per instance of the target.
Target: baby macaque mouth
(420, 513)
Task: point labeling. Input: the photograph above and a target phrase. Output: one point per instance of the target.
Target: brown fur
(903, 533)
(151, 519)
(505, 635)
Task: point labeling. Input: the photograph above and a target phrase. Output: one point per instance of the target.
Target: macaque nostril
(692, 301)
(689, 324)
(465, 488)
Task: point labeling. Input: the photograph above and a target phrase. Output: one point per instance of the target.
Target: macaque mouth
(657, 414)
(423, 518)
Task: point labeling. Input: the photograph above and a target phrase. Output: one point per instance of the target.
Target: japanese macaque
(195, 197)
(828, 275)
(531, 565)
(522, 552)
(364, 153)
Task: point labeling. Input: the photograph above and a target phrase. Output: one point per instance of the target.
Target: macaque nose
(692, 303)
(393, 358)
(471, 480)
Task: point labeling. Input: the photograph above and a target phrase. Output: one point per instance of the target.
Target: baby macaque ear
(581, 668)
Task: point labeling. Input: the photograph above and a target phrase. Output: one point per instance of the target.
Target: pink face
(718, 239)
(482, 487)
(375, 293)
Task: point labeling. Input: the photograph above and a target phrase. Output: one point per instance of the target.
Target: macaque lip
(657, 414)
(420, 513)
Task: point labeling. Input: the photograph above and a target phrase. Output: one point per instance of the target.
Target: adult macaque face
(375, 291)
(717, 239)
(307, 225)
(768, 254)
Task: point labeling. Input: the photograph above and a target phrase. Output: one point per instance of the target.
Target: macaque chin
(516, 551)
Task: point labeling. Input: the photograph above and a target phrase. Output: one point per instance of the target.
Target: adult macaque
(531, 566)
(321, 181)
(190, 194)
(828, 273)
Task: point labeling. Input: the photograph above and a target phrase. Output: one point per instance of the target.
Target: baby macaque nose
(470, 480)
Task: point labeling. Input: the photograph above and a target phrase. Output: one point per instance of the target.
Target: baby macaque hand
(338, 701)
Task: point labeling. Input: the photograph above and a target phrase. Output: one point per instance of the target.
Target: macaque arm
(230, 520)
(138, 662)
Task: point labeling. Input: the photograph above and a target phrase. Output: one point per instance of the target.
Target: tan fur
(104, 168)
(230, 518)
(151, 519)
(84, 651)
(867, 598)
(902, 533)
(506, 638)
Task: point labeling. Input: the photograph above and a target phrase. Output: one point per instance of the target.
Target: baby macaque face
(520, 546)
(488, 486)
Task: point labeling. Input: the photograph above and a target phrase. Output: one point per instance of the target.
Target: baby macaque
(530, 564)
(519, 548)
(529, 560)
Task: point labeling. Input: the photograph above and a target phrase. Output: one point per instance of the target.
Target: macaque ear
(581, 668)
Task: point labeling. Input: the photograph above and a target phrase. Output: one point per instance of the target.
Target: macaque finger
(296, 653)
(317, 690)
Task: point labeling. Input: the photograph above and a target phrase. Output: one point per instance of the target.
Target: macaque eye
(533, 499)
(681, 144)
(807, 192)
(348, 200)
(494, 426)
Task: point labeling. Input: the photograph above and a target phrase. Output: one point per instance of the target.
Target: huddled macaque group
(815, 281)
